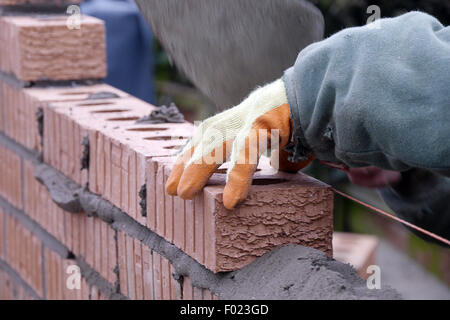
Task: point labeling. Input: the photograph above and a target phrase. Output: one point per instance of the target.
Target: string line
(428, 233)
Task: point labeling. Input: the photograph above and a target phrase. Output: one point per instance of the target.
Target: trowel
(229, 47)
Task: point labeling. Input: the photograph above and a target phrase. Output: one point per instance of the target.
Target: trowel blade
(227, 48)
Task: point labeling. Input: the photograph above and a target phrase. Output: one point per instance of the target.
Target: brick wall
(49, 109)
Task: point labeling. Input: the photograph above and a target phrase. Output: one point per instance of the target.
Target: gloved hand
(259, 124)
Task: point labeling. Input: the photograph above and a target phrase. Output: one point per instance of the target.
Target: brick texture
(57, 273)
(11, 176)
(20, 106)
(10, 289)
(24, 253)
(118, 147)
(43, 48)
(144, 274)
(2, 234)
(280, 209)
(1, 107)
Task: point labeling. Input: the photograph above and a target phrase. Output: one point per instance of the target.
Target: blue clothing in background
(129, 45)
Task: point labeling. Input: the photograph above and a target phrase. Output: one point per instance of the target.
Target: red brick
(116, 174)
(147, 270)
(10, 289)
(179, 221)
(138, 269)
(141, 178)
(92, 163)
(10, 171)
(69, 238)
(84, 289)
(56, 275)
(112, 255)
(84, 247)
(280, 209)
(125, 179)
(165, 276)
(104, 245)
(168, 213)
(40, 207)
(157, 276)
(133, 188)
(1, 105)
(24, 253)
(151, 194)
(108, 171)
(2, 234)
(90, 242)
(190, 227)
(44, 48)
(97, 245)
(199, 229)
(160, 202)
(188, 290)
(130, 267)
(75, 234)
(21, 105)
(100, 164)
(175, 287)
(122, 261)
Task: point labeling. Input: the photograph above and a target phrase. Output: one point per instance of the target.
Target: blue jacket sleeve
(375, 96)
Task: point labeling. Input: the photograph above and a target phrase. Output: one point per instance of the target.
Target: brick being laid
(44, 48)
(280, 209)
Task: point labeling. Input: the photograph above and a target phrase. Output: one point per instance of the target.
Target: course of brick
(51, 112)
(43, 48)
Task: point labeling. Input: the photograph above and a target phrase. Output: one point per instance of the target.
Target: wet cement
(62, 190)
(163, 114)
(45, 83)
(287, 272)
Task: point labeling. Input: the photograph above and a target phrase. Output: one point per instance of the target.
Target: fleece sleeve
(375, 95)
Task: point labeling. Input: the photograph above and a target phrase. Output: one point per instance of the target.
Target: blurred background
(138, 64)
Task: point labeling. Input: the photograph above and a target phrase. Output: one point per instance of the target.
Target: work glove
(258, 125)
